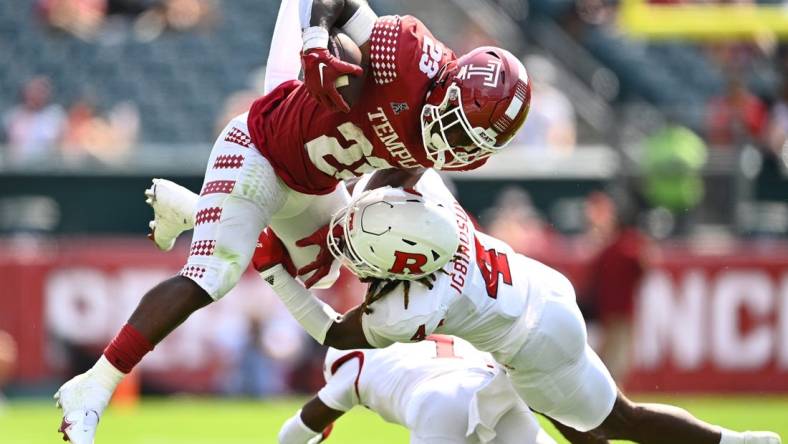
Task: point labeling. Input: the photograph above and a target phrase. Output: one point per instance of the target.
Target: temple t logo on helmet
(391, 233)
(479, 103)
(490, 73)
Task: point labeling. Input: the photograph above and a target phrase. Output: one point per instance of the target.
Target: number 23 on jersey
(344, 162)
(430, 59)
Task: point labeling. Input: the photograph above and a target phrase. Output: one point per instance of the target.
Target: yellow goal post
(703, 21)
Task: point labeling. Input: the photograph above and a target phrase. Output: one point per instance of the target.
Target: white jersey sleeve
(341, 389)
(391, 321)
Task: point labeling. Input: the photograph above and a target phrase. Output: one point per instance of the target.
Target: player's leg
(559, 375)
(301, 216)
(660, 423)
(552, 372)
(562, 379)
(238, 198)
(439, 412)
(577, 437)
(519, 426)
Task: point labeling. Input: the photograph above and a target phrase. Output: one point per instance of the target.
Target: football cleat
(761, 438)
(173, 212)
(82, 400)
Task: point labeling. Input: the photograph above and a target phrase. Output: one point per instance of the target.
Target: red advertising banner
(703, 323)
(713, 322)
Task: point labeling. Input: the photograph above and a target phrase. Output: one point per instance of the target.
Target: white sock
(731, 437)
(106, 374)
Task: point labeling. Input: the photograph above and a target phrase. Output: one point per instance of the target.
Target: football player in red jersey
(281, 165)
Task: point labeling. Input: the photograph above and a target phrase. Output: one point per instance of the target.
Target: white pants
(442, 415)
(240, 196)
(556, 372)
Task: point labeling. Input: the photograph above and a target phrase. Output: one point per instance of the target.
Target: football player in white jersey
(432, 272)
(442, 389)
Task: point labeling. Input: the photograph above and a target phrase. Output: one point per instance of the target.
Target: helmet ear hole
(435, 255)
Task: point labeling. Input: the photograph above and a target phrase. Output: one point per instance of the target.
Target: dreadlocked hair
(380, 288)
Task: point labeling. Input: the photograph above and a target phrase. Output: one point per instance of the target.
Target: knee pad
(580, 395)
(219, 273)
(559, 339)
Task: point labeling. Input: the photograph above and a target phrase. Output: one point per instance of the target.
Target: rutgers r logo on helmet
(478, 104)
(408, 263)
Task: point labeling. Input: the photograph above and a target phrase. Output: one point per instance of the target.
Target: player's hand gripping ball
(334, 76)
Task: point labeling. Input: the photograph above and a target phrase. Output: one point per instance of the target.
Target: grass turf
(207, 420)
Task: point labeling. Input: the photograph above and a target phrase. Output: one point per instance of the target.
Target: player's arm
(302, 428)
(395, 177)
(319, 319)
(328, 13)
(354, 17)
(321, 69)
(347, 333)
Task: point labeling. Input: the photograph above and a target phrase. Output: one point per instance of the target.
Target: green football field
(205, 420)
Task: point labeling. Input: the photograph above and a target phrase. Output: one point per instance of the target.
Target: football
(343, 47)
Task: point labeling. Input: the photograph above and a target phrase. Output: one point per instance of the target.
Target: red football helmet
(476, 107)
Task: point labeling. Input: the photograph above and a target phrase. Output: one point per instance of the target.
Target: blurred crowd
(91, 19)
(40, 132)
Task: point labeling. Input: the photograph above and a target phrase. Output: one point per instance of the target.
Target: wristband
(359, 26)
(315, 37)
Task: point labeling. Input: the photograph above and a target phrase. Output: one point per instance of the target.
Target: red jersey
(312, 148)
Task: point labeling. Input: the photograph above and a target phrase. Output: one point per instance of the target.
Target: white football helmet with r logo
(392, 233)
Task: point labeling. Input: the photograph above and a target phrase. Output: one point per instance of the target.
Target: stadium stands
(179, 82)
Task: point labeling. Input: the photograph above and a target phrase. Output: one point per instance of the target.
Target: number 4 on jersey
(492, 264)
